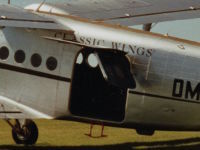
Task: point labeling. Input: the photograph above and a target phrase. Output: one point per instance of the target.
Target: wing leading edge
(15, 17)
(124, 12)
(129, 12)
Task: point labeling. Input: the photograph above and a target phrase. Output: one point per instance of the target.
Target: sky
(187, 29)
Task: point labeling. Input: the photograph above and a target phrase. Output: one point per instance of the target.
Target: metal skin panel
(156, 62)
(128, 12)
(17, 17)
(125, 12)
(118, 8)
(156, 107)
(155, 18)
(40, 89)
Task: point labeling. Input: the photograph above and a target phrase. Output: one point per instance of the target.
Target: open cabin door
(99, 85)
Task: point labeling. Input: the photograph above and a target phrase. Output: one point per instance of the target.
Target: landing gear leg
(24, 133)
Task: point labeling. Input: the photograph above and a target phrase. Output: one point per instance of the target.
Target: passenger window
(36, 60)
(51, 63)
(80, 59)
(20, 56)
(92, 61)
(4, 53)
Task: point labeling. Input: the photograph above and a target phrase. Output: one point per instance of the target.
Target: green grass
(71, 135)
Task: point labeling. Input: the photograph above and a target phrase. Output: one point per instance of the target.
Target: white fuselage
(165, 70)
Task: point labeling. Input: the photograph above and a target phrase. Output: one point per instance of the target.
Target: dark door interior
(100, 92)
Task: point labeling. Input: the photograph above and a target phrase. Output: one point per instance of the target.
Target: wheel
(27, 134)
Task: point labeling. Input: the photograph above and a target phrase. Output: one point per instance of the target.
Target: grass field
(70, 135)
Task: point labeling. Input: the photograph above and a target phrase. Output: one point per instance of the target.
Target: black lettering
(178, 88)
(192, 93)
(123, 47)
(99, 42)
(132, 48)
(116, 45)
(149, 52)
(94, 42)
(82, 39)
(141, 51)
(88, 41)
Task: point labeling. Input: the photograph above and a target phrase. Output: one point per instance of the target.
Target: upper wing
(132, 12)
(16, 17)
(125, 12)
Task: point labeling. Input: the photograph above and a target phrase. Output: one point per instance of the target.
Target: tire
(29, 139)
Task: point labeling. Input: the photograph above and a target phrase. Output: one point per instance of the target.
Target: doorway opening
(99, 86)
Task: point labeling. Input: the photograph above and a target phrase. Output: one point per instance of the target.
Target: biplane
(80, 60)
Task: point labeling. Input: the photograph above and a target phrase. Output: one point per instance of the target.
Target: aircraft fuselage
(165, 71)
